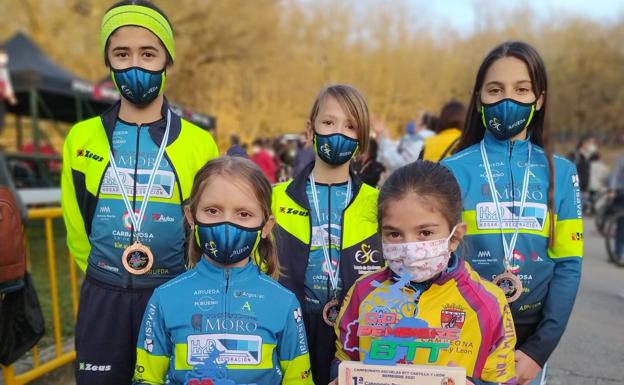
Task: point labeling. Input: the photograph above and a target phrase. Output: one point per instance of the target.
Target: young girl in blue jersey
(427, 296)
(326, 219)
(224, 322)
(521, 203)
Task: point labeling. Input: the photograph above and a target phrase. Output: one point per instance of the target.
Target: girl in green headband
(138, 48)
(126, 175)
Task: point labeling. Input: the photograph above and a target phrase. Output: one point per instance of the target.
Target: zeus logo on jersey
(533, 216)
(233, 348)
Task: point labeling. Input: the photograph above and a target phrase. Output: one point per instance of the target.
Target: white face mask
(591, 149)
(420, 260)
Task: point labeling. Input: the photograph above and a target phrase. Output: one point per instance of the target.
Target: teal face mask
(335, 149)
(226, 242)
(138, 85)
(507, 118)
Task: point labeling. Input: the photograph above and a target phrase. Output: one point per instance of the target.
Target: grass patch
(39, 266)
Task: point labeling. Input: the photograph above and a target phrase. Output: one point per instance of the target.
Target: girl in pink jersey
(427, 296)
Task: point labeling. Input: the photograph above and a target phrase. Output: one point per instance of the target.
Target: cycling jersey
(360, 243)
(98, 223)
(332, 201)
(550, 275)
(457, 318)
(235, 325)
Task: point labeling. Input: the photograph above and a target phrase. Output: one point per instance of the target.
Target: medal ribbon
(138, 221)
(333, 276)
(508, 248)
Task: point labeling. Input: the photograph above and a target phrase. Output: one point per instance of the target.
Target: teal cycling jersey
(222, 326)
(331, 202)
(162, 227)
(550, 273)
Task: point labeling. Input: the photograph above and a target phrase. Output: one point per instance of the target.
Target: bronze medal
(137, 258)
(330, 312)
(510, 284)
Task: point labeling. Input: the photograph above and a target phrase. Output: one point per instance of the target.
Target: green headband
(139, 16)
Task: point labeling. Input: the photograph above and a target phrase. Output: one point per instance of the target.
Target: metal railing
(60, 357)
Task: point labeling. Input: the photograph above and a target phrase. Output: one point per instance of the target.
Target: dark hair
(142, 3)
(373, 148)
(584, 139)
(234, 139)
(236, 167)
(452, 115)
(428, 180)
(429, 120)
(538, 128)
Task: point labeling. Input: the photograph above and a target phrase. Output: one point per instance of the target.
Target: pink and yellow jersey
(459, 319)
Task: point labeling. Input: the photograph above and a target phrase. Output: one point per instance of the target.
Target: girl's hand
(334, 382)
(526, 368)
(468, 382)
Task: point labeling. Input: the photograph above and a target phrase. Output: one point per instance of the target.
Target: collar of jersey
(496, 146)
(211, 271)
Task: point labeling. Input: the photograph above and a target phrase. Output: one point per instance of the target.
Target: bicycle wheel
(611, 227)
(601, 214)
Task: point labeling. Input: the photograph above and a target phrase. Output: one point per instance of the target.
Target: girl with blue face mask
(126, 174)
(326, 225)
(225, 321)
(522, 204)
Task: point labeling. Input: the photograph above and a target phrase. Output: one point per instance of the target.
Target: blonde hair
(248, 172)
(353, 103)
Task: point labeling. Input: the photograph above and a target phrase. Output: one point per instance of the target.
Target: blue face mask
(335, 149)
(507, 118)
(138, 85)
(225, 242)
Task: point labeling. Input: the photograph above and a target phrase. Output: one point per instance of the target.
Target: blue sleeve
(154, 348)
(566, 252)
(292, 348)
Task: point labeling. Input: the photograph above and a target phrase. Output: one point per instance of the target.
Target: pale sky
(461, 13)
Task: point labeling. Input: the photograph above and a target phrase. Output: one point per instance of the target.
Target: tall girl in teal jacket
(521, 203)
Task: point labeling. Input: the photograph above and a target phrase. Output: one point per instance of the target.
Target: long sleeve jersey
(458, 319)
(550, 274)
(222, 327)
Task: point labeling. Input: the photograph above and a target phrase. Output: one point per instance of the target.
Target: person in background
(581, 157)
(616, 197)
(304, 155)
(235, 147)
(6, 89)
(393, 155)
(263, 158)
(598, 181)
(449, 128)
(367, 167)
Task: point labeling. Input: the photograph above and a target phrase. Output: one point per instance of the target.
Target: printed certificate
(358, 373)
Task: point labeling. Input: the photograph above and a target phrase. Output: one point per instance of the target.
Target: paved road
(592, 349)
